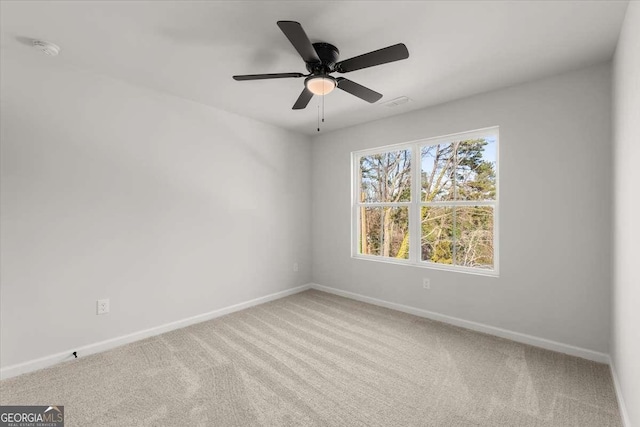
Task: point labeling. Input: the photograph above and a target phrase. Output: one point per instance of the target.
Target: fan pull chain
(318, 117)
(323, 108)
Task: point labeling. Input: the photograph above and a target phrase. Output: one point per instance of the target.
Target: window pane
(386, 177)
(384, 231)
(474, 236)
(475, 169)
(437, 234)
(437, 172)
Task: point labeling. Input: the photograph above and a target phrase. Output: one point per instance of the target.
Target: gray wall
(555, 211)
(625, 348)
(167, 207)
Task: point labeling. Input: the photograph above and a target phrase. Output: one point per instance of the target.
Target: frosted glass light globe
(321, 85)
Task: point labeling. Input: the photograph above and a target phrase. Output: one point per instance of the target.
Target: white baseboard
(475, 326)
(621, 406)
(43, 362)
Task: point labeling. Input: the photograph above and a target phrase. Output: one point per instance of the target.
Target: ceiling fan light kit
(320, 85)
(321, 59)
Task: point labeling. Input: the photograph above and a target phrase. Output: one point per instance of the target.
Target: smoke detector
(47, 48)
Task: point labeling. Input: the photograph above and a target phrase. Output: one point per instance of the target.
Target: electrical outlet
(295, 266)
(103, 306)
(426, 283)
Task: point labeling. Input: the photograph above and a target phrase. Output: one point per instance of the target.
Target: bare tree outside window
(460, 171)
(385, 182)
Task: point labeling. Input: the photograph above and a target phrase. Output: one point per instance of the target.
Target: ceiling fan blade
(303, 100)
(358, 90)
(298, 38)
(267, 76)
(377, 57)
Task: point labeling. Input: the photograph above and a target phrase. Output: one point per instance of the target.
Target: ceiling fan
(321, 60)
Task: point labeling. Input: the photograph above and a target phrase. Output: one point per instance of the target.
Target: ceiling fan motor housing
(328, 55)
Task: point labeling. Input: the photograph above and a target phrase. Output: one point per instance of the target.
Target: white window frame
(416, 203)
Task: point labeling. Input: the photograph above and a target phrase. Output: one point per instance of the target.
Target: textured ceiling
(191, 49)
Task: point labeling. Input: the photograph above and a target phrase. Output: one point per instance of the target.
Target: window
(444, 190)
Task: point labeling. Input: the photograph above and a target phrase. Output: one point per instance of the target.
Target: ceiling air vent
(397, 101)
(47, 48)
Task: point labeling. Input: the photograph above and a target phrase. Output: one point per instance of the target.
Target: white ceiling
(191, 49)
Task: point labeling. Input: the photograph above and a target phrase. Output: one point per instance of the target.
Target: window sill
(429, 266)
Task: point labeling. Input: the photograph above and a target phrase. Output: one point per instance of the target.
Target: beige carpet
(315, 359)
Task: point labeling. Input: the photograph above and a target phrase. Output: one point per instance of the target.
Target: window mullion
(355, 214)
(455, 198)
(415, 238)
